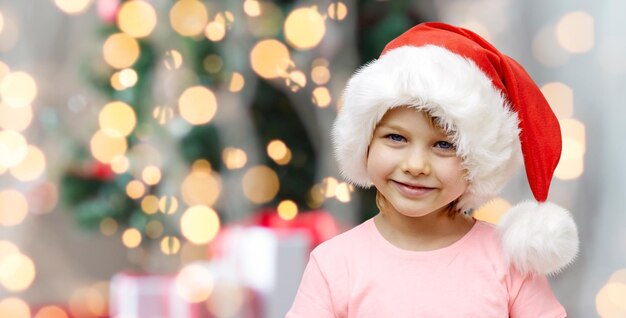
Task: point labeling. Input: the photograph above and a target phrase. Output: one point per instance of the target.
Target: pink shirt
(360, 274)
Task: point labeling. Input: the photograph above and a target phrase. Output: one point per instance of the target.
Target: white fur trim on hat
(447, 86)
(538, 238)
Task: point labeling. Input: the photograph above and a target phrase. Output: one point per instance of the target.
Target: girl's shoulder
(486, 238)
(343, 243)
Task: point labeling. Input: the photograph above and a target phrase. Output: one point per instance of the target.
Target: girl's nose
(416, 162)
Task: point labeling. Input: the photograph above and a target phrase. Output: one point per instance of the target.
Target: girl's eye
(444, 145)
(395, 137)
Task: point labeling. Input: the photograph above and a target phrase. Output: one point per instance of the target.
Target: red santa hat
(496, 116)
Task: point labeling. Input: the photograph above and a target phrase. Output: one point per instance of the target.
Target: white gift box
(139, 295)
(269, 261)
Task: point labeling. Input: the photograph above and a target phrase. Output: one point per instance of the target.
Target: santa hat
(496, 115)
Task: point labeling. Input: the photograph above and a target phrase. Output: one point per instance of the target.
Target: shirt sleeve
(313, 298)
(532, 296)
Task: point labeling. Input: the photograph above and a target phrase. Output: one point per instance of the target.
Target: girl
(438, 125)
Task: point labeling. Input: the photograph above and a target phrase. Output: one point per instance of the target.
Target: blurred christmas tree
(217, 104)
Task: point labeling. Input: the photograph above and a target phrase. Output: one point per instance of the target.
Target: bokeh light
(574, 31)
(120, 164)
(13, 207)
(136, 18)
(252, 8)
(212, 63)
(574, 130)
(51, 312)
(287, 210)
(168, 204)
(105, 147)
(32, 165)
(163, 114)
(135, 189)
(116, 83)
(117, 119)
(15, 118)
(215, 31)
(492, 211)
(320, 74)
(18, 89)
(569, 169)
(131, 238)
(150, 204)
(316, 196)
(284, 160)
(276, 149)
(260, 184)
(128, 77)
(194, 283)
(14, 307)
(17, 272)
(295, 80)
(201, 165)
(617, 294)
(120, 50)
(151, 175)
(304, 28)
(173, 60)
(321, 97)
(73, 7)
(201, 187)
(154, 229)
(89, 302)
(197, 105)
(571, 164)
(234, 158)
(108, 226)
(199, 224)
(189, 17)
(237, 81)
(342, 192)
(170, 245)
(270, 59)
(13, 148)
(560, 97)
(329, 187)
(337, 10)
(611, 299)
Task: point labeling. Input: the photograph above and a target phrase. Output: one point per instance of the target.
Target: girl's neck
(432, 231)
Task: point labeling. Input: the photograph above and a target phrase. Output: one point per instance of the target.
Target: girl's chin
(414, 212)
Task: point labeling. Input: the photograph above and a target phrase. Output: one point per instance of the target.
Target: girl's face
(413, 163)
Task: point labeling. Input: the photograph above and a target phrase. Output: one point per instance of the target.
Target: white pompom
(538, 238)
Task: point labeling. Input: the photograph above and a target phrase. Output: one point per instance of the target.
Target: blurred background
(164, 158)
